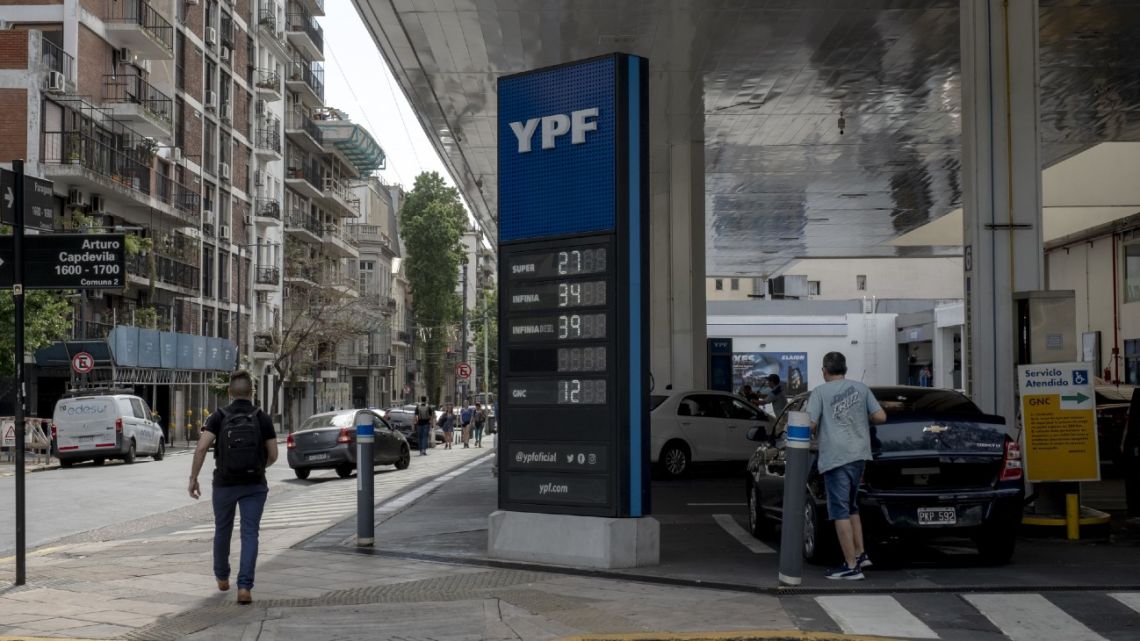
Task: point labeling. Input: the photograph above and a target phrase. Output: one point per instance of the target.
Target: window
(735, 284)
(1132, 273)
(207, 322)
(813, 288)
(223, 276)
(224, 324)
(180, 60)
(208, 273)
(719, 285)
(137, 408)
(861, 283)
(702, 406)
(1132, 361)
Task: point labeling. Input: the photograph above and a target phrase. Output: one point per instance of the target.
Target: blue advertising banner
(185, 351)
(169, 350)
(751, 368)
(124, 342)
(199, 354)
(150, 348)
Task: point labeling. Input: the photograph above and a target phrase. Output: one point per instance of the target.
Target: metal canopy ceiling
(781, 182)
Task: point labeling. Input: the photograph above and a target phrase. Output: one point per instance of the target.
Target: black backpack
(423, 414)
(240, 451)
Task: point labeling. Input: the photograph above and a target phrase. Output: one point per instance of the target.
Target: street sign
(407, 390)
(68, 261)
(39, 201)
(1058, 406)
(463, 370)
(82, 363)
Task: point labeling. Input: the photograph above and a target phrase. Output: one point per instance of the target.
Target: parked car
(1112, 403)
(98, 428)
(941, 467)
(701, 426)
(328, 441)
(404, 419)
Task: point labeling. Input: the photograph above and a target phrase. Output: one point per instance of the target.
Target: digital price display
(573, 292)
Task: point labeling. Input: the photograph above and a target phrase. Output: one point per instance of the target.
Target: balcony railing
(54, 58)
(129, 167)
(341, 190)
(301, 220)
(166, 270)
(90, 330)
(297, 271)
(304, 169)
(133, 89)
(268, 135)
(268, 79)
(303, 21)
(332, 232)
(311, 73)
(374, 360)
(299, 120)
(141, 13)
(267, 16)
(268, 275)
(267, 208)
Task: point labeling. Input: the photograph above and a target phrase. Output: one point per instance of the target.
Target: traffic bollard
(797, 459)
(365, 512)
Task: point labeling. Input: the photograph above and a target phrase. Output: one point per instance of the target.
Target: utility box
(1046, 328)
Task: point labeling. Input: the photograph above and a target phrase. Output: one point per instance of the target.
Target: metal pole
(797, 460)
(486, 355)
(463, 344)
(365, 517)
(240, 297)
(18, 301)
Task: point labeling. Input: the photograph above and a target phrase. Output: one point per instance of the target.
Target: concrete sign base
(578, 541)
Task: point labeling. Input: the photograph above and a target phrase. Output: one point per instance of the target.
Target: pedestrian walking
(480, 421)
(424, 416)
(447, 422)
(465, 418)
(841, 413)
(776, 395)
(246, 445)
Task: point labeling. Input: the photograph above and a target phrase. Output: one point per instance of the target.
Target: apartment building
(191, 126)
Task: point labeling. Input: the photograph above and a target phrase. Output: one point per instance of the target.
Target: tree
(432, 222)
(47, 318)
(489, 310)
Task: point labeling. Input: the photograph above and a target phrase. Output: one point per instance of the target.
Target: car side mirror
(756, 433)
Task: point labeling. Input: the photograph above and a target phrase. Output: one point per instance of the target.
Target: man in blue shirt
(841, 414)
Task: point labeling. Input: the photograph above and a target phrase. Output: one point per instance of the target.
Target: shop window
(719, 285)
(1132, 361)
(735, 284)
(1132, 273)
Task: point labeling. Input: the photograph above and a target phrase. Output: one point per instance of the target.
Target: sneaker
(845, 573)
(863, 562)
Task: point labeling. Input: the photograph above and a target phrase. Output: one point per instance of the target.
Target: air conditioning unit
(227, 112)
(211, 36)
(225, 54)
(208, 218)
(126, 55)
(224, 232)
(176, 154)
(224, 170)
(211, 100)
(74, 196)
(56, 83)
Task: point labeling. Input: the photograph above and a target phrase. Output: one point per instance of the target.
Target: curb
(736, 635)
(29, 470)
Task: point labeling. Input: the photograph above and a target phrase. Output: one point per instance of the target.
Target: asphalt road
(86, 497)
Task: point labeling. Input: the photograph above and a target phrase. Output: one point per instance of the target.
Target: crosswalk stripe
(1030, 617)
(874, 615)
(1130, 599)
(729, 524)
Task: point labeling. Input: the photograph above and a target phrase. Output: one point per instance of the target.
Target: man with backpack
(465, 422)
(246, 444)
(424, 415)
(480, 420)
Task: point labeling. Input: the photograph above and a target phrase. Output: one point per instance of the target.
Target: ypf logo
(576, 123)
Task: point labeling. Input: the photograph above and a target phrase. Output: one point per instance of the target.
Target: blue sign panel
(169, 341)
(573, 277)
(124, 342)
(557, 150)
(150, 355)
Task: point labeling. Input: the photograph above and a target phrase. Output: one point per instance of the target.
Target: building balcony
(54, 58)
(267, 84)
(303, 226)
(339, 243)
(167, 271)
(267, 139)
(90, 330)
(135, 25)
(302, 131)
(302, 276)
(340, 199)
(266, 278)
(139, 104)
(305, 33)
(307, 79)
(315, 7)
(185, 200)
(267, 211)
(303, 175)
(93, 160)
(380, 361)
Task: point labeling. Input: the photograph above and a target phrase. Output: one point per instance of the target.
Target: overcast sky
(358, 82)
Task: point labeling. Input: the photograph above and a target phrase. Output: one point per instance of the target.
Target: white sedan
(702, 426)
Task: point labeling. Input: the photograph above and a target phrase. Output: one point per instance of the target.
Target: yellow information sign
(1058, 410)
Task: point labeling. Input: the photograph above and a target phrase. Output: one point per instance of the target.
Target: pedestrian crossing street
(1054, 616)
(334, 500)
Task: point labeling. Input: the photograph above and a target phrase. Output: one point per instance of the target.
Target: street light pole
(18, 301)
(240, 297)
(463, 344)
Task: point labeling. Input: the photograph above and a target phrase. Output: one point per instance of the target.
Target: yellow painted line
(1060, 522)
(39, 552)
(734, 635)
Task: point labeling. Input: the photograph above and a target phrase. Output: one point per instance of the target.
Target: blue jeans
(423, 433)
(843, 490)
(251, 500)
(478, 436)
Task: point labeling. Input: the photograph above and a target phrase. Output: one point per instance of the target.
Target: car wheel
(405, 459)
(344, 471)
(756, 522)
(675, 459)
(161, 453)
(63, 462)
(130, 457)
(819, 542)
(995, 546)
(302, 473)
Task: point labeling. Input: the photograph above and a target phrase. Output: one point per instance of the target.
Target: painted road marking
(1030, 617)
(729, 524)
(716, 504)
(874, 615)
(1130, 599)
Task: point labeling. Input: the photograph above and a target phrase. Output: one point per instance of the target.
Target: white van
(102, 427)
